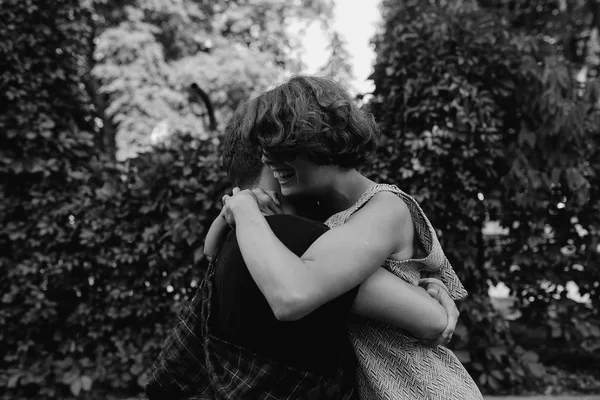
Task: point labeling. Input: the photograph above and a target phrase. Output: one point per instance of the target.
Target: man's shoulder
(295, 232)
(289, 223)
(292, 218)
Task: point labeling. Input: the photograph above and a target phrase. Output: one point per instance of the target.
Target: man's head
(242, 158)
(311, 118)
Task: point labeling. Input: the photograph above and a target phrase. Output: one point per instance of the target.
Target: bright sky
(356, 21)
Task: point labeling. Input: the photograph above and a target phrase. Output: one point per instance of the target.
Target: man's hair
(241, 157)
(313, 118)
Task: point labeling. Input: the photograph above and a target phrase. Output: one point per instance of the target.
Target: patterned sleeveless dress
(392, 364)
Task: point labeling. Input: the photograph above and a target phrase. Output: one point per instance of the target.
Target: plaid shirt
(195, 364)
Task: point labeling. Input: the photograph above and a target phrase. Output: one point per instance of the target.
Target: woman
(313, 138)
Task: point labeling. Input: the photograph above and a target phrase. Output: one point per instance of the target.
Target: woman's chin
(290, 190)
(287, 192)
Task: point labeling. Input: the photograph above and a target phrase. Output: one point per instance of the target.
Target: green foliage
(483, 123)
(104, 306)
(47, 152)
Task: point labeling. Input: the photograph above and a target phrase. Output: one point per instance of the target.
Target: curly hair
(313, 118)
(241, 157)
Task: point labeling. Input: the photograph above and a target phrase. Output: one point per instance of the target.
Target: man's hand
(436, 289)
(267, 201)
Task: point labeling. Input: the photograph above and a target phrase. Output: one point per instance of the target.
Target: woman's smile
(284, 176)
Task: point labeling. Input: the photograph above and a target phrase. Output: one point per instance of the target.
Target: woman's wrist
(243, 204)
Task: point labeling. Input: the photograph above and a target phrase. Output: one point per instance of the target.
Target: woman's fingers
(236, 190)
(268, 201)
(228, 215)
(442, 296)
(274, 196)
(236, 196)
(436, 289)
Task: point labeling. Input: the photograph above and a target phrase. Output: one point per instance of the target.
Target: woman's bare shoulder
(388, 204)
(390, 211)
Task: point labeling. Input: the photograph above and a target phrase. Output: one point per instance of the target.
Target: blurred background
(110, 169)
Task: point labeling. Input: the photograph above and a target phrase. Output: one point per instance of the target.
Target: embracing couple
(329, 285)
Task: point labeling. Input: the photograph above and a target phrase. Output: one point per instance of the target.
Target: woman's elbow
(288, 307)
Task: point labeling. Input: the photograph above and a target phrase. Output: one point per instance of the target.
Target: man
(229, 344)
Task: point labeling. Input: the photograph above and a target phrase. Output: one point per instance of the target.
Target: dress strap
(436, 260)
(366, 196)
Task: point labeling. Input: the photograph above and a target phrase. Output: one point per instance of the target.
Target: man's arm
(216, 235)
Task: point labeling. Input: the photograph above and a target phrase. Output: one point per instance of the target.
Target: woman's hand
(267, 201)
(436, 289)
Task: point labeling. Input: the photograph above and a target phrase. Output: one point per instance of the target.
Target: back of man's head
(241, 158)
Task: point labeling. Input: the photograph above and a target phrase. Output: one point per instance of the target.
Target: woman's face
(300, 177)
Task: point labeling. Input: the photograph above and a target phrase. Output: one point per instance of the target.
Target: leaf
(70, 377)
(562, 76)
(191, 238)
(173, 214)
(14, 380)
(497, 374)
(530, 357)
(105, 192)
(493, 383)
(47, 122)
(537, 369)
(555, 176)
(46, 134)
(529, 137)
(142, 380)
(76, 387)
(198, 254)
(555, 327)
(77, 175)
(8, 298)
(166, 159)
(574, 178)
(86, 383)
(497, 352)
(477, 366)
(136, 369)
(482, 379)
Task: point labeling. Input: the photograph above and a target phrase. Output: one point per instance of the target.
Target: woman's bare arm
(338, 261)
(386, 297)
